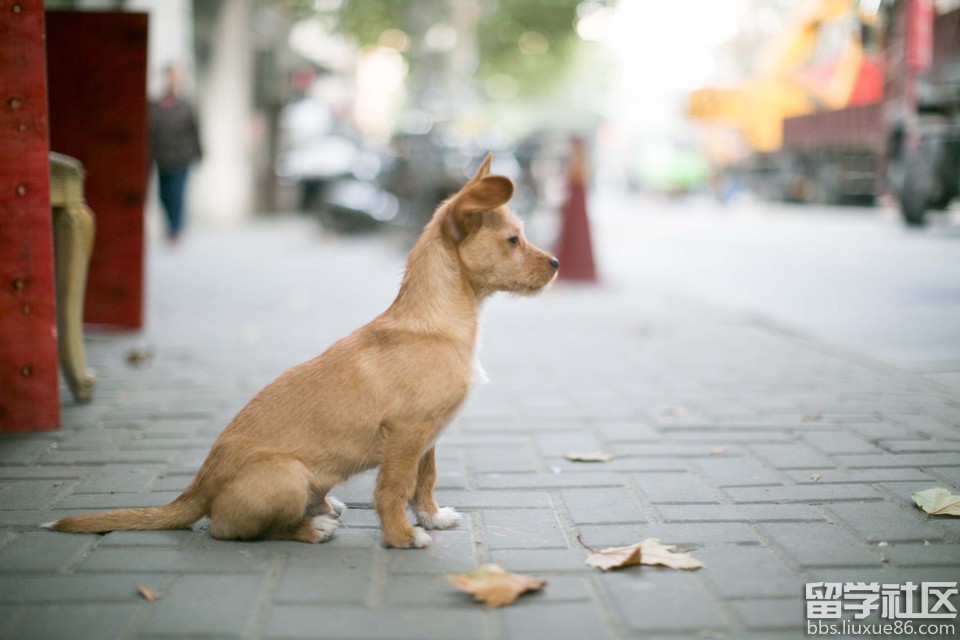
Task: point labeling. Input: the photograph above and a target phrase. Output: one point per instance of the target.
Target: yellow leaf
(615, 557)
(147, 593)
(492, 584)
(595, 456)
(937, 502)
(649, 552)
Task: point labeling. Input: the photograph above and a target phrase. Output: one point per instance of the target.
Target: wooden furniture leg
(73, 231)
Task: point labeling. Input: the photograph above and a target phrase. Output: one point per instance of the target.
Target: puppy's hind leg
(270, 499)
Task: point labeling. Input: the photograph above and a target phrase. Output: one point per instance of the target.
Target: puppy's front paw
(444, 518)
(418, 539)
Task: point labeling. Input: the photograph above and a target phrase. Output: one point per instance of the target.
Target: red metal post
(29, 391)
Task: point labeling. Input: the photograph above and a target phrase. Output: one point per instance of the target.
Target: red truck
(908, 143)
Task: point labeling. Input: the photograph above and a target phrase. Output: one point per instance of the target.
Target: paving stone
(747, 572)
(591, 506)
(492, 499)
(690, 534)
(522, 528)
(240, 558)
(736, 472)
(837, 476)
(44, 552)
(498, 460)
(547, 480)
(115, 500)
(738, 513)
(791, 456)
(883, 521)
(773, 614)
(43, 473)
(834, 442)
(534, 619)
(916, 460)
(806, 493)
(407, 623)
(933, 554)
(30, 494)
(75, 621)
(820, 544)
(198, 605)
(120, 479)
(663, 601)
(618, 465)
(48, 589)
(451, 551)
(675, 488)
(147, 538)
(534, 560)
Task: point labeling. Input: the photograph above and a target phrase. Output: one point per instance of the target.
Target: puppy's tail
(179, 514)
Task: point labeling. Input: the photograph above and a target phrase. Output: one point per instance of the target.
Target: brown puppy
(380, 396)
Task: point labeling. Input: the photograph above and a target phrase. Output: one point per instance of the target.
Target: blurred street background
(792, 158)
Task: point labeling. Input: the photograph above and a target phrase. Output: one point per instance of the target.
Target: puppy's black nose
(555, 263)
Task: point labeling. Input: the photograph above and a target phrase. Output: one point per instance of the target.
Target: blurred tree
(523, 45)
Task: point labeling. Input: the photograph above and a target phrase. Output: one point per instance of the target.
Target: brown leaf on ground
(937, 502)
(492, 584)
(718, 451)
(147, 593)
(649, 552)
(594, 456)
(813, 416)
(138, 356)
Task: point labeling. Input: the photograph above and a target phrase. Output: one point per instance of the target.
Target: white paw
(337, 506)
(421, 538)
(326, 526)
(444, 518)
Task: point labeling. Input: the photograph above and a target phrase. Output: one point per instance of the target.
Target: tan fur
(380, 396)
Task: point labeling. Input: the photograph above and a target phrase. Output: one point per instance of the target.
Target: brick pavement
(780, 460)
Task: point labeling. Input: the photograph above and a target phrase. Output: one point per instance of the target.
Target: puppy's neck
(434, 297)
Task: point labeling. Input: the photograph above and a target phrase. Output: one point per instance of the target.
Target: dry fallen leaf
(594, 456)
(718, 451)
(137, 356)
(494, 585)
(937, 502)
(147, 593)
(649, 552)
(816, 477)
(813, 416)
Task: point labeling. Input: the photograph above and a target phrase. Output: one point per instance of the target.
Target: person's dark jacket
(174, 137)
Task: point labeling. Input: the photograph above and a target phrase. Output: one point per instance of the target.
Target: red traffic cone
(574, 248)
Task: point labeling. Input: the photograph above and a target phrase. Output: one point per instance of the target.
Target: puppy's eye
(514, 240)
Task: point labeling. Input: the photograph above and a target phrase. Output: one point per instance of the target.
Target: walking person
(175, 144)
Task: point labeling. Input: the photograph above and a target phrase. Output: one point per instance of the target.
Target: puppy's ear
(484, 169)
(464, 213)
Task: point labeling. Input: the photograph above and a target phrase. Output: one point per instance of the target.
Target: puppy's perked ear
(484, 169)
(464, 211)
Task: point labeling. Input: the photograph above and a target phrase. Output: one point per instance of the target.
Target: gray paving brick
(837, 476)
(627, 431)
(806, 493)
(65, 589)
(548, 480)
(43, 473)
(592, 506)
(148, 538)
(674, 488)
(201, 605)
(736, 472)
(75, 621)
(44, 552)
(933, 554)
(738, 513)
(791, 456)
(522, 528)
(773, 614)
(451, 551)
(820, 544)
(30, 494)
(747, 572)
(649, 600)
(618, 465)
(694, 533)
(536, 560)
(919, 446)
(240, 558)
(921, 460)
(534, 619)
(883, 521)
(107, 457)
(115, 500)
(120, 479)
(498, 459)
(306, 621)
(834, 442)
(492, 499)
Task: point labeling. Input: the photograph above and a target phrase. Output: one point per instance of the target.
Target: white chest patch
(479, 376)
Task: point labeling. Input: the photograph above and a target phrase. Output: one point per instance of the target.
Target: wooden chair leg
(73, 231)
